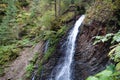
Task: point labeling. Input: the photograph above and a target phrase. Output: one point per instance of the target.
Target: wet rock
(90, 59)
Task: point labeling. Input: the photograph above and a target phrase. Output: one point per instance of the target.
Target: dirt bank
(16, 70)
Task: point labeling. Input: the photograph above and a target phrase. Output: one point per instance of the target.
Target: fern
(115, 53)
(6, 29)
(103, 38)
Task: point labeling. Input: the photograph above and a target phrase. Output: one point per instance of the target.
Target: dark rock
(88, 59)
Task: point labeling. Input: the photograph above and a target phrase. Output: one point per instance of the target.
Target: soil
(17, 68)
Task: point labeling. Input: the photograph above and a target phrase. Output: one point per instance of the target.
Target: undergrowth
(112, 72)
(31, 65)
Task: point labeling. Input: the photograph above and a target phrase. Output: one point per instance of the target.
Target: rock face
(50, 64)
(88, 60)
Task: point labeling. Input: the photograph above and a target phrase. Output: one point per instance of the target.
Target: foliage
(23, 3)
(100, 10)
(47, 18)
(102, 38)
(67, 16)
(110, 73)
(115, 38)
(53, 38)
(2, 10)
(8, 23)
(115, 53)
(29, 69)
(117, 2)
(25, 42)
(1, 71)
(65, 5)
(49, 53)
(26, 21)
(8, 53)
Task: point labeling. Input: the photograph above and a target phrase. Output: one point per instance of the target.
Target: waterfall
(63, 70)
(45, 50)
(46, 46)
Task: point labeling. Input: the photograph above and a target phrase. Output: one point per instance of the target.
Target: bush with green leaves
(110, 73)
(7, 54)
(29, 69)
(25, 42)
(115, 49)
(53, 38)
(114, 54)
(115, 38)
(100, 10)
(8, 23)
(47, 19)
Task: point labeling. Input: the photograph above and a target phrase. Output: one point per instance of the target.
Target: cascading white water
(46, 46)
(45, 50)
(63, 71)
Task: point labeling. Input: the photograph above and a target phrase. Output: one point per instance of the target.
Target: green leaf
(92, 78)
(116, 37)
(104, 78)
(118, 66)
(115, 53)
(104, 39)
(105, 73)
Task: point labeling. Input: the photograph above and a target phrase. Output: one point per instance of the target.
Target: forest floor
(17, 68)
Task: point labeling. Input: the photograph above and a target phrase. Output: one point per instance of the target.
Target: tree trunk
(55, 8)
(59, 6)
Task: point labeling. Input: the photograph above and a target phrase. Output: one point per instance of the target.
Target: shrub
(100, 10)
